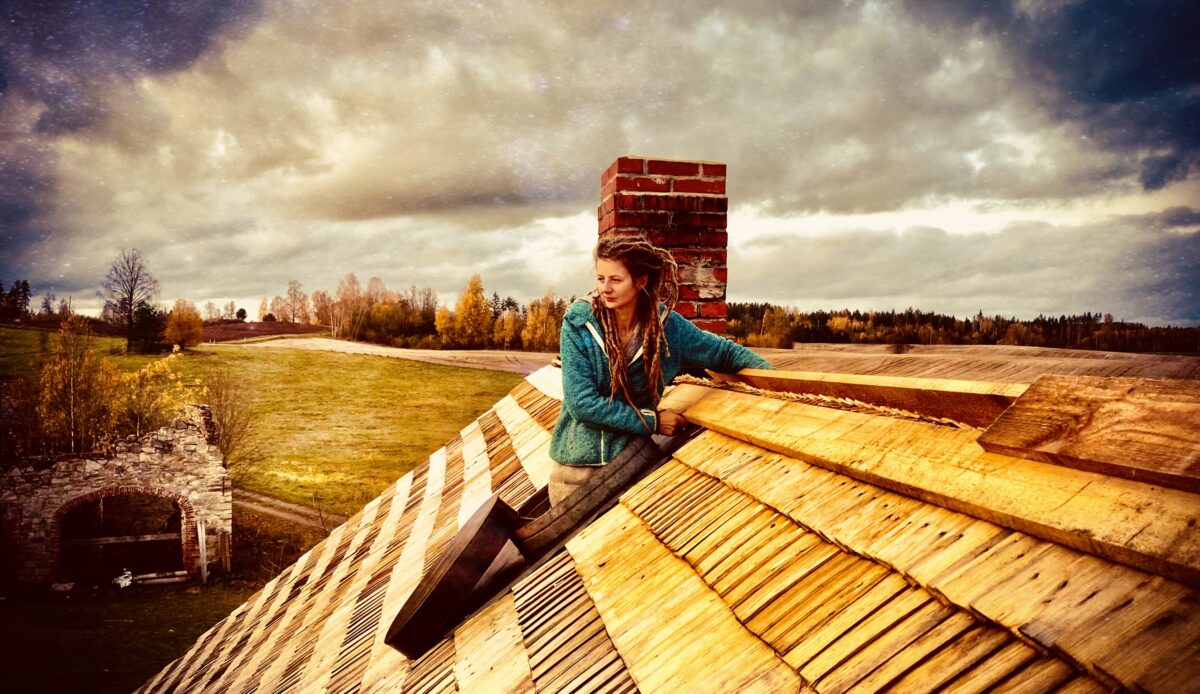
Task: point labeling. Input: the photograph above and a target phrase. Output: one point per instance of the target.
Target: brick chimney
(680, 206)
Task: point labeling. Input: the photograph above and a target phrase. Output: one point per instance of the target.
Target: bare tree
(127, 285)
(232, 406)
(296, 303)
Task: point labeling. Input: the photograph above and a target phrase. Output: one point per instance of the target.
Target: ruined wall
(179, 462)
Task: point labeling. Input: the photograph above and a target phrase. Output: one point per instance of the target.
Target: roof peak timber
(756, 556)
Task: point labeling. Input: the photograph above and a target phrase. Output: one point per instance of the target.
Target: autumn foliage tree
(78, 404)
(473, 316)
(544, 324)
(184, 327)
(150, 396)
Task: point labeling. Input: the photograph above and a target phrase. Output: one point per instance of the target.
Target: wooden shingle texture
(789, 547)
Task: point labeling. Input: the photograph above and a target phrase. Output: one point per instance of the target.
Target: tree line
(414, 318)
(769, 325)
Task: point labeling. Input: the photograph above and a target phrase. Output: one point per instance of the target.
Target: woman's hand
(670, 423)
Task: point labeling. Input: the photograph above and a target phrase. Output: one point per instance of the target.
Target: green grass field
(336, 429)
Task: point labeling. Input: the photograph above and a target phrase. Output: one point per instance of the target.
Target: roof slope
(789, 547)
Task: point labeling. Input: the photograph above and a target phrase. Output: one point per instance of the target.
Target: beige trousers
(565, 479)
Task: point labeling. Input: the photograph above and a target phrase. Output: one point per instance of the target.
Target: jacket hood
(580, 312)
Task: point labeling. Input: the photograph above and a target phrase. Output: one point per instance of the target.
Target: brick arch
(187, 518)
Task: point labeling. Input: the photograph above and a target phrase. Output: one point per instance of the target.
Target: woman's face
(616, 287)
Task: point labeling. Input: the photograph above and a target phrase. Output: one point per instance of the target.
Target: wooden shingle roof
(790, 546)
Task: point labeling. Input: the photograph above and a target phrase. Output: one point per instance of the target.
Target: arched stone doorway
(96, 536)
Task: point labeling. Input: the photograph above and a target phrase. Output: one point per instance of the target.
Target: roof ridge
(820, 400)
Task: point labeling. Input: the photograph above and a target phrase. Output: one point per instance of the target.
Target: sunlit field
(336, 429)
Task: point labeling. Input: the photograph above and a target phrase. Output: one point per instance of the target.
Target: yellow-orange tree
(79, 404)
(184, 327)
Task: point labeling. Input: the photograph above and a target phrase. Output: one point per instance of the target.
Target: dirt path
(493, 360)
(285, 510)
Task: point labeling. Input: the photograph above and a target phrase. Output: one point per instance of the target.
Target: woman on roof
(621, 345)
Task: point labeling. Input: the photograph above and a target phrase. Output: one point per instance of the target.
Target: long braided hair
(641, 259)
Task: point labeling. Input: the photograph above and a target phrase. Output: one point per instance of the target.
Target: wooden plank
(841, 620)
(1086, 685)
(529, 440)
(547, 379)
(1148, 641)
(441, 597)
(975, 403)
(118, 539)
(993, 669)
(1040, 676)
(953, 659)
(787, 621)
(905, 657)
(672, 631)
(887, 616)
(490, 654)
(1139, 429)
(477, 478)
(1124, 521)
(773, 617)
(871, 656)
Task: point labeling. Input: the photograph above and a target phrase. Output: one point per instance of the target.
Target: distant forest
(768, 325)
(415, 318)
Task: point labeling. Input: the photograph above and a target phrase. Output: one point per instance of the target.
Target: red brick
(670, 238)
(631, 165)
(643, 184)
(649, 219)
(700, 256)
(713, 169)
(698, 185)
(688, 293)
(713, 309)
(672, 168)
(607, 174)
(712, 325)
(673, 203)
(714, 238)
(686, 309)
(721, 274)
(694, 219)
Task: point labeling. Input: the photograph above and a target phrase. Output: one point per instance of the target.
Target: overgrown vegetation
(340, 427)
(72, 399)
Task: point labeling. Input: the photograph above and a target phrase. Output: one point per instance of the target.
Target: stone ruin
(179, 463)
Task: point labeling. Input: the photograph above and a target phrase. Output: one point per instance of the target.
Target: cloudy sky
(1031, 157)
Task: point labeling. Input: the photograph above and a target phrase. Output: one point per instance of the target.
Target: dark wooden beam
(118, 539)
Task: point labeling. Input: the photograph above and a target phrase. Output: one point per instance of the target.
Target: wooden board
(566, 642)
(1140, 525)
(1064, 600)
(673, 632)
(441, 597)
(976, 403)
(1139, 429)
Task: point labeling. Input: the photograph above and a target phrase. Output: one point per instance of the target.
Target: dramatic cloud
(1139, 269)
(241, 145)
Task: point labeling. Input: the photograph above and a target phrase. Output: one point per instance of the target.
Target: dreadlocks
(641, 259)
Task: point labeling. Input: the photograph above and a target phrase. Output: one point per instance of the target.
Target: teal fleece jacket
(594, 427)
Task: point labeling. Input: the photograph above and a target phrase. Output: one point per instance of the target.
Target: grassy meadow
(335, 429)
